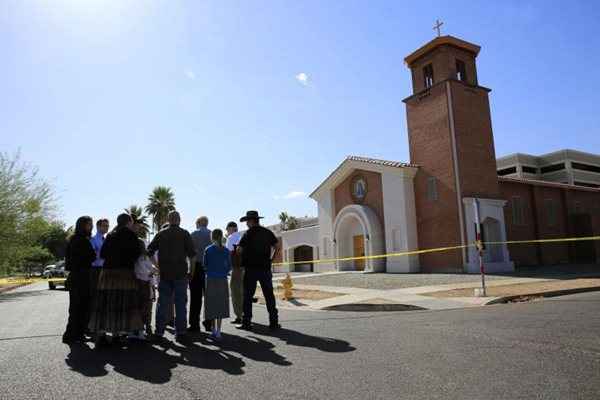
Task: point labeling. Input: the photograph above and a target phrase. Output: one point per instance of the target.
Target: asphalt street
(542, 350)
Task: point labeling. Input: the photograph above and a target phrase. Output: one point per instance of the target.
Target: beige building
(564, 166)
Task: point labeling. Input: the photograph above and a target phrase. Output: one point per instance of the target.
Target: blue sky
(251, 104)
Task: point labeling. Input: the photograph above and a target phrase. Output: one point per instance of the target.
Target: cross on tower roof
(437, 26)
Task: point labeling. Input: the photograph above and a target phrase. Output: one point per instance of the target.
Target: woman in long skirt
(117, 307)
(217, 263)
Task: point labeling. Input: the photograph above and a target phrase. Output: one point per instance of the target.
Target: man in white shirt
(237, 273)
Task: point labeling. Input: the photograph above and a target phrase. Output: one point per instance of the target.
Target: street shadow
(154, 363)
(295, 338)
(251, 347)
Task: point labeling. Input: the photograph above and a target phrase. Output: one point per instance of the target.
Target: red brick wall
(474, 141)
(537, 224)
(431, 149)
(373, 199)
(521, 254)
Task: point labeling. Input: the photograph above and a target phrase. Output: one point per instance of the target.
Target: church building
(452, 183)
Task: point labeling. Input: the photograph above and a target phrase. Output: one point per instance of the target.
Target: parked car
(48, 270)
(58, 277)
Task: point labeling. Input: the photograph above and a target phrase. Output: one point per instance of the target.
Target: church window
(550, 212)
(518, 215)
(432, 193)
(461, 71)
(428, 75)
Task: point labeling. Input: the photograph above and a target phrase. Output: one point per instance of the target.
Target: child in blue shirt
(217, 263)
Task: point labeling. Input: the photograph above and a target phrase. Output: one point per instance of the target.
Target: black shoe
(274, 326)
(100, 340)
(255, 299)
(194, 329)
(246, 326)
(237, 321)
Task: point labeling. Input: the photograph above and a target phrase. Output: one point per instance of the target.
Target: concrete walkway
(410, 296)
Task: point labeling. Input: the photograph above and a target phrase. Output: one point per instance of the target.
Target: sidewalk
(437, 291)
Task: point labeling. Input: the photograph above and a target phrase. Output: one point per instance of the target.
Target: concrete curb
(13, 287)
(366, 307)
(552, 293)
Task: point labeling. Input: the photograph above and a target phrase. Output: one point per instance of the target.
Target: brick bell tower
(451, 139)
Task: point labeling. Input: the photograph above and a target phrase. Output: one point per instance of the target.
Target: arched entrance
(303, 253)
(357, 232)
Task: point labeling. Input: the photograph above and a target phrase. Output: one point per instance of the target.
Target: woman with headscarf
(117, 307)
(78, 261)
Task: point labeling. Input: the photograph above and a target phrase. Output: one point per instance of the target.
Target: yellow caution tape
(6, 281)
(438, 249)
(19, 281)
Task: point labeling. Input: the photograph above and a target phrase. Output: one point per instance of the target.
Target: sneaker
(237, 321)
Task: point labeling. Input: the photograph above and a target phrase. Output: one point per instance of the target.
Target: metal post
(479, 246)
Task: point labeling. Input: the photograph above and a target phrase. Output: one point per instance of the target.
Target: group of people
(113, 278)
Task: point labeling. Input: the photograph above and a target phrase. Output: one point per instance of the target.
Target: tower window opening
(428, 75)
(461, 71)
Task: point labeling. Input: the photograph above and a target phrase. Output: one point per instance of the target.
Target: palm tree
(287, 222)
(160, 202)
(137, 215)
(283, 219)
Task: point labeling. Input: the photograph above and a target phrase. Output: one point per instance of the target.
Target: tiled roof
(366, 160)
(387, 163)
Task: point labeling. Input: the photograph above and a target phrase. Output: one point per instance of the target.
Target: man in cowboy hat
(257, 248)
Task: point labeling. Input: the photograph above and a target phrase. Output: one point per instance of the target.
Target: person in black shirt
(78, 261)
(257, 248)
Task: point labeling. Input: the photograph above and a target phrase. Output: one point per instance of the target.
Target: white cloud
(302, 78)
(190, 74)
(291, 195)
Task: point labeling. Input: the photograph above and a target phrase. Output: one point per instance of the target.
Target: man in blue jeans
(175, 254)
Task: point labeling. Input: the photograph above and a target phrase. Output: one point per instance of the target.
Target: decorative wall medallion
(358, 188)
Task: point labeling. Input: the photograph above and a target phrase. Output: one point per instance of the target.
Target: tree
(27, 205)
(287, 222)
(54, 239)
(160, 202)
(137, 215)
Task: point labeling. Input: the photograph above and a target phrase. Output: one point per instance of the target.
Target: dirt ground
(524, 288)
(300, 294)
